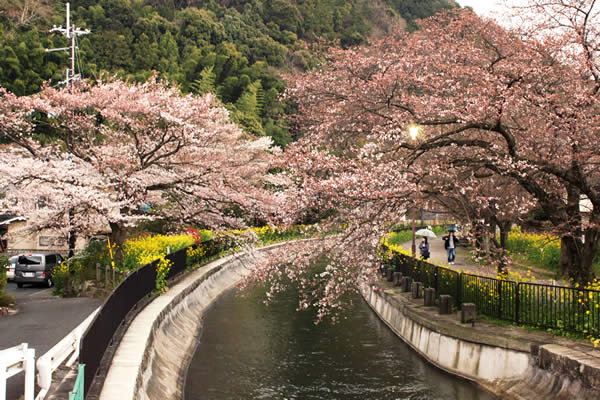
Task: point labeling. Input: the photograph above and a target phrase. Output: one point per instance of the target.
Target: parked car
(10, 268)
(36, 268)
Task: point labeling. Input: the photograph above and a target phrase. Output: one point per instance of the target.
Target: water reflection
(251, 351)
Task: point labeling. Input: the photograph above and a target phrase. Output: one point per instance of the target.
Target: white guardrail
(49, 362)
(13, 361)
(21, 358)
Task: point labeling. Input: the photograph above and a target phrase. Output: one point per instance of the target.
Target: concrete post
(468, 313)
(397, 277)
(417, 290)
(429, 297)
(389, 276)
(405, 283)
(445, 304)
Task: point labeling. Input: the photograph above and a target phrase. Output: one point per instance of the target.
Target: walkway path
(463, 261)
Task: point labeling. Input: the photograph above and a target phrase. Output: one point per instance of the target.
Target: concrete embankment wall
(471, 360)
(151, 359)
(510, 368)
(174, 335)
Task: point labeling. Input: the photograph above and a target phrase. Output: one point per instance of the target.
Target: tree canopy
(508, 119)
(242, 43)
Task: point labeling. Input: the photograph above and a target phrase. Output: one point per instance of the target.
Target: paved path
(42, 321)
(462, 262)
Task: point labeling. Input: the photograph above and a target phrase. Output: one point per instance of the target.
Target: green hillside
(234, 48)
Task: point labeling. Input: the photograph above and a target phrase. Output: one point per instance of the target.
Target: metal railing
(135, 287)
(535, 304)
(78, 392)
(13, 361)
(53, 358)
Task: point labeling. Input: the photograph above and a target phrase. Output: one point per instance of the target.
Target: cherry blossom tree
(523, 109)
(97, 153)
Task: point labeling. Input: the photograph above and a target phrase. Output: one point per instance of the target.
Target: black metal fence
(139, 284)
(546, 306)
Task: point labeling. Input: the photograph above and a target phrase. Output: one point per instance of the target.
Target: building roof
(7, 219)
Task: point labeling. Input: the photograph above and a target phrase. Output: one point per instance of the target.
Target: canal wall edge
(506, 368)
(152, 357)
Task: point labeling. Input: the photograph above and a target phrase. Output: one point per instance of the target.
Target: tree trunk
(577, 257)
(117, 238)
(504, 231)
(72, 236)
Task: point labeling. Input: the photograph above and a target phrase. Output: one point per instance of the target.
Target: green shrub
(6, 299)
(4, 262)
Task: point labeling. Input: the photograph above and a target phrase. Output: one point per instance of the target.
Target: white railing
(13, 361)
(49, 362)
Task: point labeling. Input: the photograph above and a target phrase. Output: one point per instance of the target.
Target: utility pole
(71, 33)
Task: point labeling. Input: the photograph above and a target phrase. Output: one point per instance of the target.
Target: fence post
(517, 302)
(106, 273)
(2, 379)
(459, 291)
(29, 367)
(500, 299)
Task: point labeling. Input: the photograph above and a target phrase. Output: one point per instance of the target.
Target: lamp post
(413, 132)
(414, 246)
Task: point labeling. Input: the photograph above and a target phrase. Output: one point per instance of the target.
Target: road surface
(42, 321)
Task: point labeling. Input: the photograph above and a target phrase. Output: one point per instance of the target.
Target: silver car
(36, 268)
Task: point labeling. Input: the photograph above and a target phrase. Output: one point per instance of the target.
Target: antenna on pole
(71, 33)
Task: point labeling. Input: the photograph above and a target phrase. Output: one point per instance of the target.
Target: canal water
(251, 351)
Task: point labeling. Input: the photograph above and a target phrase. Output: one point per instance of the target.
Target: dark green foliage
(233, 48)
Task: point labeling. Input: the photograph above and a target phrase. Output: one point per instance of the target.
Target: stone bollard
(389, 275)
(445, 304)
(417, 289)
(405, 283)
(468, 313)
(429, 295)
(382, 269)
(397, 277)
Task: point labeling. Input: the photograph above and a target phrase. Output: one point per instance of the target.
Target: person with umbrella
(450, 242)
(424, 248)
(424, 245)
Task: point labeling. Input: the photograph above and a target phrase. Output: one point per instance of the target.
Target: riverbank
(509, 361)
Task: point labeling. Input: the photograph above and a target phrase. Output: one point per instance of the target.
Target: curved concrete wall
(151, 359)
(474, 361)
(174, 337)
(505, 367)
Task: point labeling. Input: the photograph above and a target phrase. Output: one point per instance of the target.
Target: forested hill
(231, 47)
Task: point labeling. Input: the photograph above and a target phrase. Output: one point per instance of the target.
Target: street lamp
(413, 132)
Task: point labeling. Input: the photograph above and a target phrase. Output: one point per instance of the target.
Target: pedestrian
(424, 249)
(450, 242)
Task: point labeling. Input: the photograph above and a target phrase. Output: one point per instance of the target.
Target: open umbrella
(452, 228)
(425, 232)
